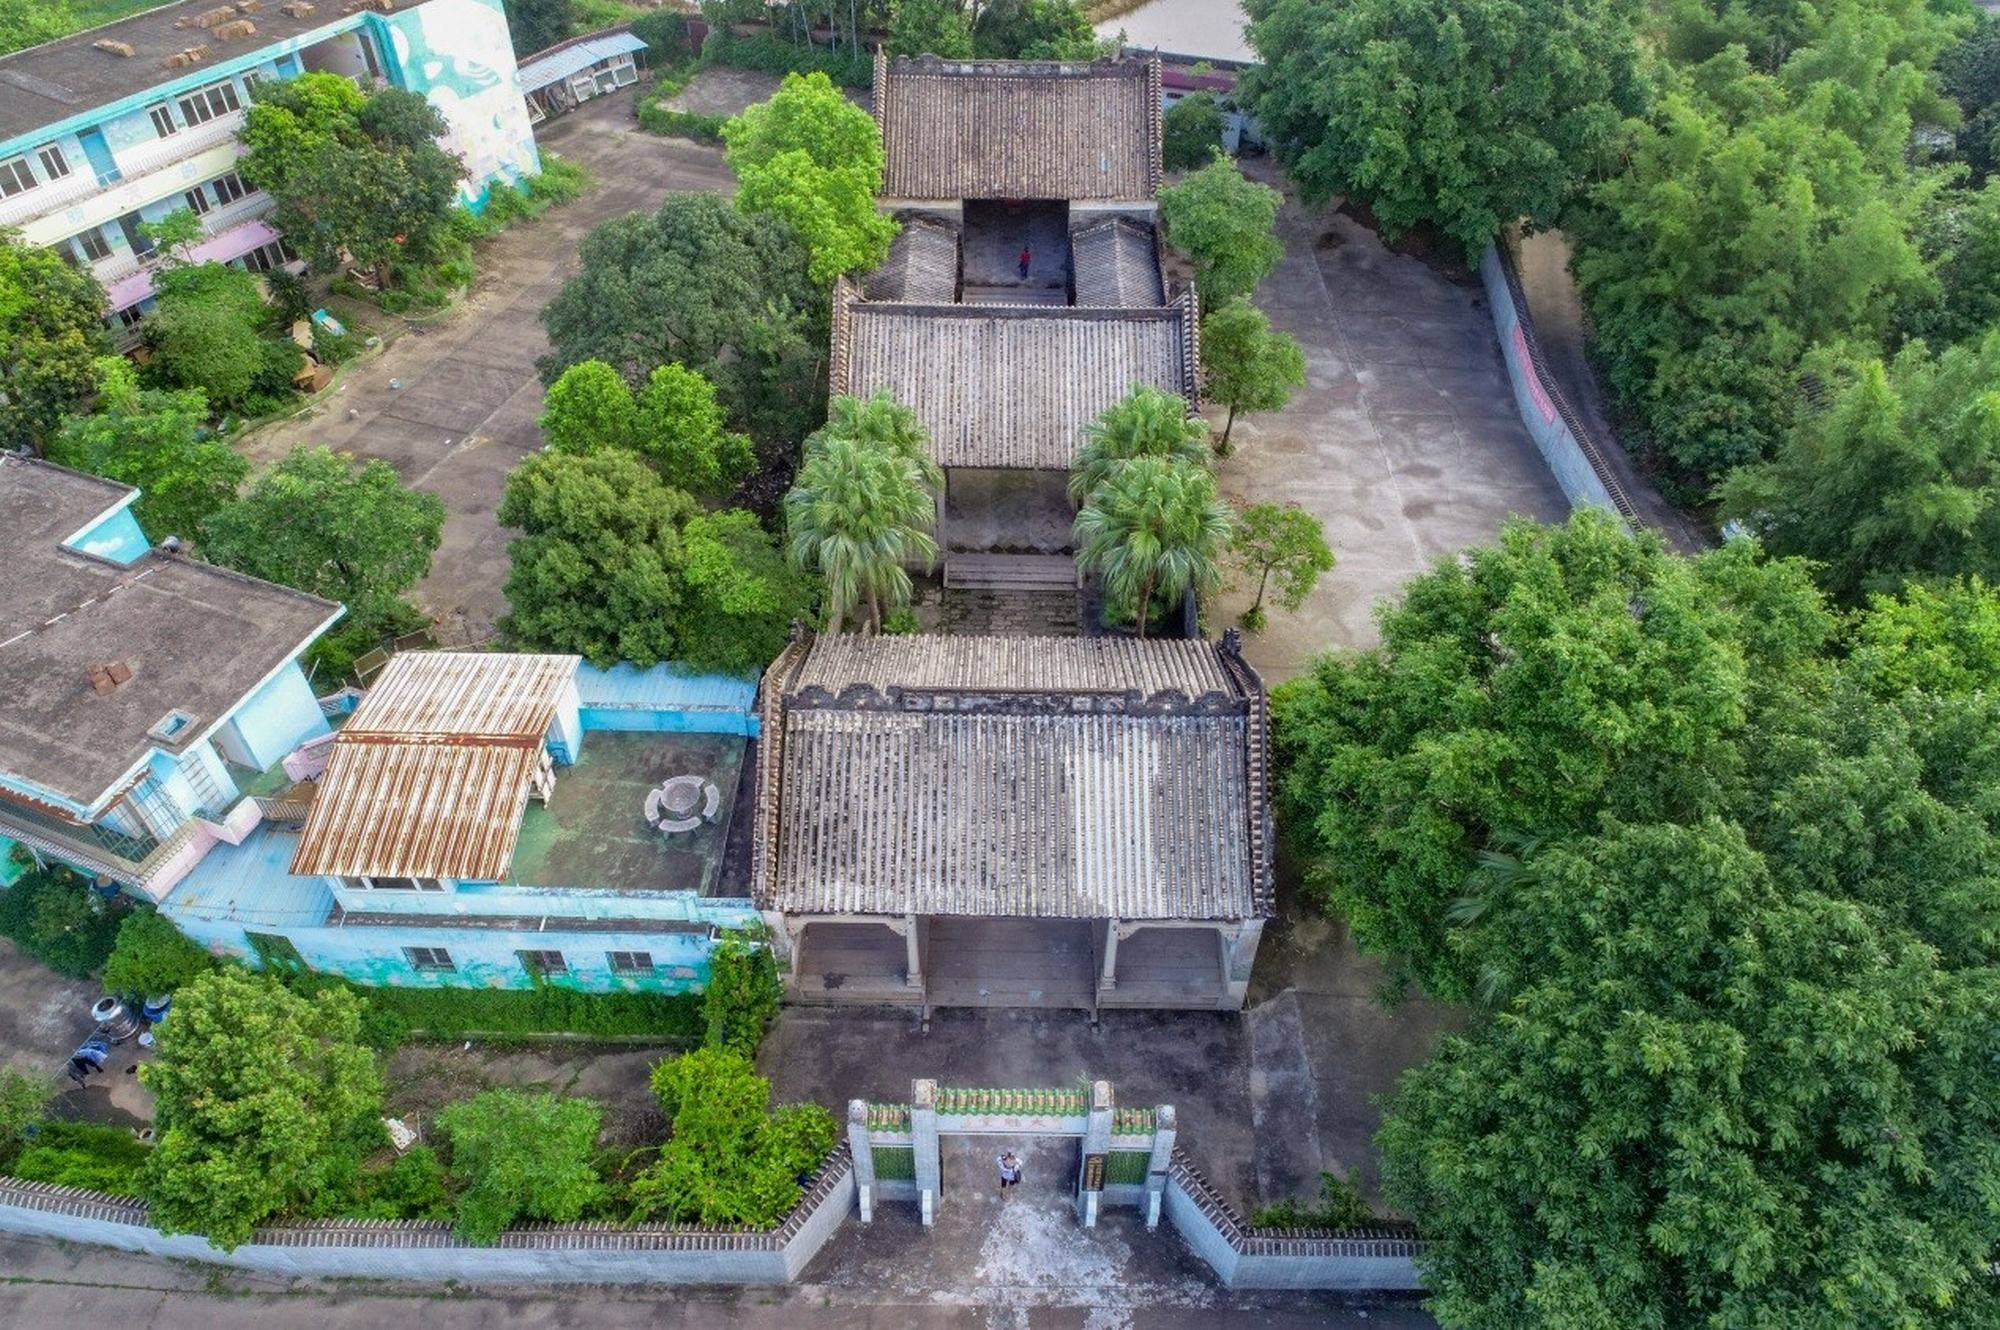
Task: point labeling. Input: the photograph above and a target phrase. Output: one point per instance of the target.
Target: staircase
(971, 294)
(1010, 572)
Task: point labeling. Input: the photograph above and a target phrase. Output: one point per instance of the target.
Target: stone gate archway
(1122, 1158)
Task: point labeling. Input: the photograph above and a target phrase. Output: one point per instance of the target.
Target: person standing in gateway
(1010, 1171)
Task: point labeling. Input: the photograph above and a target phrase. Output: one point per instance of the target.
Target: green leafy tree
(521, 1156)
(1149, 422)
(152, 957)
(1191, 132)
(813, 158)
(321, 523)
(742, 996)
(59, 919)
(174, 234)
(702, 285)
(25, 23)
(931, 27)
(1247, 365)
(1037, 30)
(1154, 531)
(1222, 221)
(1893, 477)
(731, 1159)
(1465, 115)
(537, 25)
(210, 333)
(857, 514)
(1755, 218)
(1528, 689)
(1709, 1099)
(615, 564)
(1942, 640)
(157, 441)
(264, 1098)
(587, 408)
(51, 335)
(679, 427)
(352, 173)
(1287, 541)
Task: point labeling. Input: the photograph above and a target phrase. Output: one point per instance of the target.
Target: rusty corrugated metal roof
(430, 777)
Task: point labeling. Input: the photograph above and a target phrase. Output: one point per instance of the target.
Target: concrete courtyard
(466, 409)
(1405, 441)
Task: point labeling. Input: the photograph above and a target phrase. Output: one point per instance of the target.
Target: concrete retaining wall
(1563, 439)
(535, 1253)
(1372, 1260)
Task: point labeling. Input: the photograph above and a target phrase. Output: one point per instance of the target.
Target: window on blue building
(204, 104)
(54, 165)
(15, 177)
(430, 960)
(543, 962)
(163, 121)
(631, 962)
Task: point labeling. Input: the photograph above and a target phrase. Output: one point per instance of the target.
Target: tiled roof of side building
(1117, 264)
(47, 84)
(197, 639)
(1025, 777)
(1019, 129)
(922, 265)
(430, 776)
(1011, 386)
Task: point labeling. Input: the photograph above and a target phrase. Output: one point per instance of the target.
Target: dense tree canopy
(211, 332)
(814, 159)
(536, 25)
(1897, 474)
(352, 172)
(1223, 222)
(616, 565)
(157, 440)
(265, 1099)
(1720, 874)
(51, 335)
(1191, 132)
(701, 285)
(1465, 115)
(674, 422)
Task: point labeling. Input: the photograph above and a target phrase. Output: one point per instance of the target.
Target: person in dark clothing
(1027, 258)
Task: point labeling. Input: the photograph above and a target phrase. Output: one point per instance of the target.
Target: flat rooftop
(197, 639)
(47, 84)
(593, 831)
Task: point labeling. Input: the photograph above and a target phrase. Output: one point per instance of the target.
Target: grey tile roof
(1117, 264)
(1021, 777)
(922, 265)
(1011, 386)
(1019, 129)
(197, 638)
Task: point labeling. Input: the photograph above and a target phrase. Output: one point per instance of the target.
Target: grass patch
(391, 1015)
(82, 1154)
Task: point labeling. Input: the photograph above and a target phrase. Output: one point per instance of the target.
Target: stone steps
(1010, 572)
(971, 294)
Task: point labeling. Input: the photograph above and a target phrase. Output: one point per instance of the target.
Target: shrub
(665, 34)
(730, 1160)
(742, 996)
(392, 1014)
(332, 348)
(657, 119)
(153, 957)
(83, 1154)
(22, 1098)
(1191, 132)
(560, 182)
(1340, 1205)
(412, 1187)
(767, 54)
(58, 918)
(521, 1156)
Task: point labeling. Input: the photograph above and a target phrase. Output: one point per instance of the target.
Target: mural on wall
(459, 55)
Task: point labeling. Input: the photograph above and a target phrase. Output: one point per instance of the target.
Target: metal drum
(154, 1009)
(115, 1021)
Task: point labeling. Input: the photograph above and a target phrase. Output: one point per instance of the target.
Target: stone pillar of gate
(1096, 1142)
(1159, 1162)
(863, 1152)
(924, 1146)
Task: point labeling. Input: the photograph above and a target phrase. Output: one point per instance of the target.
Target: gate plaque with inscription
(1093, 1172)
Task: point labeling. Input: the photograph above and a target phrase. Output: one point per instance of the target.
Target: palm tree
(881, 419)
(857, 514)
(1154, 528)
(1151, 422)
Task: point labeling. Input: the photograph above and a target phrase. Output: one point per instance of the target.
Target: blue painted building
(146, 693)
(476, 823)
(129, 122)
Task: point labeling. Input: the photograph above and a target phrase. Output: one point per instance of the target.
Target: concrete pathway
(1404, 442)
(469, 398)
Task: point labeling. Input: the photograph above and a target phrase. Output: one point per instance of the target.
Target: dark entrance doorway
(995, 234)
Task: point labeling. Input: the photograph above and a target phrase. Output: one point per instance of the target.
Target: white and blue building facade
(122, 125)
